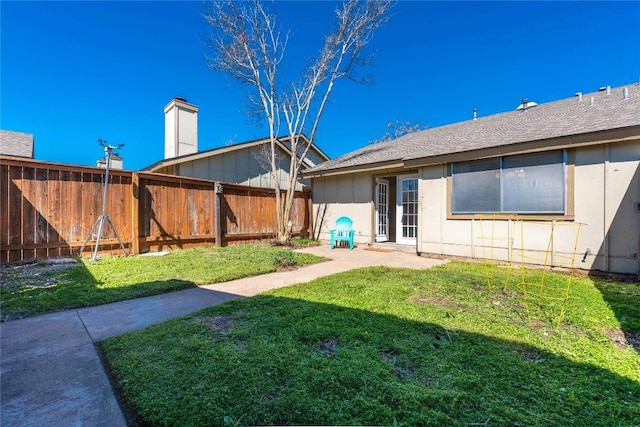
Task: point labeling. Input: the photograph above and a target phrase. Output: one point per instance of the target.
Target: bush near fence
(48, 209)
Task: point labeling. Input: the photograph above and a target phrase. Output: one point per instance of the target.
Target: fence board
(177, 203)
(4, 209)
(115, 206)
(29, 213)
(154, 222)
(41, 204)
(53, 215)
(15, 212)
(88, 220)
(65, 218)
(77, 231)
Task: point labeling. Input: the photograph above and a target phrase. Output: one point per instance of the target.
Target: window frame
(568, 215)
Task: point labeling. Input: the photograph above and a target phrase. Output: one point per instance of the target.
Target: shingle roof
(16, 144)
(566, 117)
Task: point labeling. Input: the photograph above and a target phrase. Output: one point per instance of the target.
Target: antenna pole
(108, 149)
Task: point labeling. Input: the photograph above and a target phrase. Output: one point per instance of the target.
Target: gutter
(393, 164)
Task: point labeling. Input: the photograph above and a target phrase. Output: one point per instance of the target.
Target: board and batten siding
(237, 167)
(343, 195)
(606, 201)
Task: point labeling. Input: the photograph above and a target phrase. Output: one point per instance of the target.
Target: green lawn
(382, 346)
(30, 292)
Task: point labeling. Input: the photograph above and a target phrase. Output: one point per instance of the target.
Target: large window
(524, 184)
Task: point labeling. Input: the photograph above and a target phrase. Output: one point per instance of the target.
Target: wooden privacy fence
(47, 210)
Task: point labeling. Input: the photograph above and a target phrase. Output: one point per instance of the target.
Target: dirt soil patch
(624, 339)
(439, 301)
(328, 348)
(41, 274)
(220, 324)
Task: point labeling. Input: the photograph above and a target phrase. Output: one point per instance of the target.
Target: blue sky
(73, 72)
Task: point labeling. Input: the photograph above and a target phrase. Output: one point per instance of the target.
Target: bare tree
(397, 129)
(248, 45)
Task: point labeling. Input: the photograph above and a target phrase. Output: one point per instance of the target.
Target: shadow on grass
(624, 300)
(35, 289)
(272, 360)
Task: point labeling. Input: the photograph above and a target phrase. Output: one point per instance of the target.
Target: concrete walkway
(50, 371)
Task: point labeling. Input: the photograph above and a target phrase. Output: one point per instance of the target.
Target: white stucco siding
(343, 195)
(606, 194)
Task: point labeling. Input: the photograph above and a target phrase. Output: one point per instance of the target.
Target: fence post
(135, 217)
(218, 190)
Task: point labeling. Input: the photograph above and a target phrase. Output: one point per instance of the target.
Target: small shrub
(285, 260)
(305, 241)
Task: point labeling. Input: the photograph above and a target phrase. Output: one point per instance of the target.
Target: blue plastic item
(343, 232)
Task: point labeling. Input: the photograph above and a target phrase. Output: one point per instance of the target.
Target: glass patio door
(407, 210)
(382, 210)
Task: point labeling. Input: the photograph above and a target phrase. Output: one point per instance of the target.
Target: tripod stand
(108, 149)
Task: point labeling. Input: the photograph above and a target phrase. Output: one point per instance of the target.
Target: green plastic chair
(343, 232)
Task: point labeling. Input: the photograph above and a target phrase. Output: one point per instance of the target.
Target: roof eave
(208, 153)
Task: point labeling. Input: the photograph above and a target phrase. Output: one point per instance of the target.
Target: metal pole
(107, 151)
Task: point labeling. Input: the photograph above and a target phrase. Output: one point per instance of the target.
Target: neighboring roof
(16, 144)
(222, 150)
(578, 115)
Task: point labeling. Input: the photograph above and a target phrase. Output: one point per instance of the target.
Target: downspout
(421, 197)
(372, 211)
(443, 204)
(473, 247)
(604, 206)
(553, 243)
(509, 242)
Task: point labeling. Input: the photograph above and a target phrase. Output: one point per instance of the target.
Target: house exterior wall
(606, 200)
(606, 197)
(237, 167)
(314, 157)
(343, 195)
